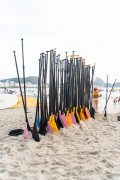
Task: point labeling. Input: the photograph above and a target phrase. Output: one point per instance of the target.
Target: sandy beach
(86, 151)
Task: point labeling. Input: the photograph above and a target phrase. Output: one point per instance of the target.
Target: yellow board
(31, 102)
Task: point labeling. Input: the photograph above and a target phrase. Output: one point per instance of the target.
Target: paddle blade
(49, 128)
(35, 135)
(87, 113)
(82, 115)
(73, 118)
(38, 121)
(76, 118)
(28, 127)
(59, 122)
(25, 134)
(92, 112)
(16, 132)
(64, 120)
(43, 129)
(105, 114)
(56, 121)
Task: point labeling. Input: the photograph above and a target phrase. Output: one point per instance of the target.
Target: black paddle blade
(76, 118)
(28, 127)
(105, 114)
(85, 113)
(92, 112)
(16, 132)
(35, 135)
(42, 129)
(59, 122)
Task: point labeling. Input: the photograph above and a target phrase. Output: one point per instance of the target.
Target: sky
(91, 28)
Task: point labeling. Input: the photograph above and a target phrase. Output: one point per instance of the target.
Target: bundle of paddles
(64, 94)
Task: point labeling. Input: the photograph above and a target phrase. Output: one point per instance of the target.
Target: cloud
(89, 27)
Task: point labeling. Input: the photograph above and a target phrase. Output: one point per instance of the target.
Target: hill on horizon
(30, 79)
(99, 82)
(34, 80)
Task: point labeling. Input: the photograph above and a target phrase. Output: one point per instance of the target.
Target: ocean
(111, 108)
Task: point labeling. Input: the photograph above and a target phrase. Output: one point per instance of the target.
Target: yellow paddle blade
(87, 113)
(54, 124)
(68, 121)
(54, 51)
(74, 109)
(69, 115)
(82, 115)
(77, 114)
(50, 122)
(51, 130)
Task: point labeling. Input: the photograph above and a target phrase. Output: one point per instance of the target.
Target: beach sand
(86, 151)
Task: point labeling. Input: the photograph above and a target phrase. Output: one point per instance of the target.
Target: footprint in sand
(94, 152)
(14, 173)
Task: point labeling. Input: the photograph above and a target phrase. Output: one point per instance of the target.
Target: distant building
(7, 83)
(16, 84)
(13, 84)
(1, 84)
(28, 84)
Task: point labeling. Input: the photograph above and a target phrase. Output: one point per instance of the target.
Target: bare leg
(96, 105)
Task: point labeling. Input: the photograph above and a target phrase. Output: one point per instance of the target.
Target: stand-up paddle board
(8, 100)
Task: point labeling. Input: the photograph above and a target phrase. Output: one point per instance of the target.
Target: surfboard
(8, 100)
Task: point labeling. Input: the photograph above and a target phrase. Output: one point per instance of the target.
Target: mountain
(30, 79)
(117, 84)
(34, 80)
(99, 82)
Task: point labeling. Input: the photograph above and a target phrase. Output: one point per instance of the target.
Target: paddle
(43, 76)
(25, 106)
(92, 110)
(37, 115)
(21, 92)
(105, 114)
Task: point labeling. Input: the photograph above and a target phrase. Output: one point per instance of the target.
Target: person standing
(115, 101)
(95, 98)
(5, 91)
(119, 100)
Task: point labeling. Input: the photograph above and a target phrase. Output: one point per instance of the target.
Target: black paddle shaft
(109, 98)
(24, 75)
(21, 92)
